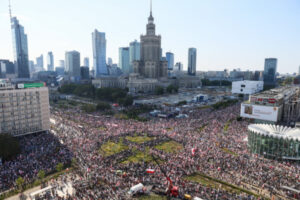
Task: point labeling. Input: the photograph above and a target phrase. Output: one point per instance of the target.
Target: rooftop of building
(275, 131)
(278, 93)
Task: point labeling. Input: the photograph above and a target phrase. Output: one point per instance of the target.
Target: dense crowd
(213, 144)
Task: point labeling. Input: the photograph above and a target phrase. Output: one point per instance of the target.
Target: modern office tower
(124, 60)
(270, 71)
(192, 61)
(99, 53)
(60, 71)
(109, 61)
(85, 73)
(7, 66)
(50, 61)
(134, 53)
(86, 62)
(40, 62)
(24, 110)
(299, 71)
(258, 76)
(150, 65)
(62, 64)
(72, 62)
(178, 66)
(20, 48)
(170, 59)
(31, 66)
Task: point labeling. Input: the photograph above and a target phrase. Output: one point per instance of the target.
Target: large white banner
(267, 113)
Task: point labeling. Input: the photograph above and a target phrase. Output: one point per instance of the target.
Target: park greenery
(172, 89)
(224, 104)
(207, 82)
(170, 147)
(159, 90)
(114, 95)
(9, 147)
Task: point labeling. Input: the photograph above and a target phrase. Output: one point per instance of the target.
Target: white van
(135, 189)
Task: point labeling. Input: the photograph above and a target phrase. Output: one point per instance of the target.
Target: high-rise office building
(109, 61)
(7, 66)
(84, 73)
(178, 66)
(124, 60)
(72, 67)
(31, 66)
(270, 71)
(86, 62)
(134, 53)
(299, 71)
(170, 59)
(25, 110)
(20, 47)
(50, 61)
(99, 53)
(192, 61)
(40, 62)
(62, 63)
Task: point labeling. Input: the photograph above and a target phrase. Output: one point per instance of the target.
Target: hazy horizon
(231, 34)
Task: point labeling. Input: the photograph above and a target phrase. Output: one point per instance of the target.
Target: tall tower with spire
(20, 47)
(150, 65)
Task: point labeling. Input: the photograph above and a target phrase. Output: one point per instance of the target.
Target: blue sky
(227, 33)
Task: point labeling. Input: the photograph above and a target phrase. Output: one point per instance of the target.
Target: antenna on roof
(151, 7)
(9, 6)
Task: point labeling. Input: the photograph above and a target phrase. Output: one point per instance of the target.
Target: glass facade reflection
(273, 147)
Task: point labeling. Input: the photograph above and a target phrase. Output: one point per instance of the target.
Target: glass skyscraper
(270, 71)
(72, 62)
(20, 48)
(99, 53)
(124, 59)
(170, 59)
(50, 62)
(134, 53)
(192, 61)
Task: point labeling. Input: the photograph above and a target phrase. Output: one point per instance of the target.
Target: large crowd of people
(214, 143)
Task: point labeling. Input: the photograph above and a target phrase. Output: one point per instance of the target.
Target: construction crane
(172, 191)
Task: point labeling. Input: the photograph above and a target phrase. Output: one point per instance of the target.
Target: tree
(9, 146)
(41, 174)
(89, 108)
(20, 182)
(103, 106)
(159, 90)
(59, 167)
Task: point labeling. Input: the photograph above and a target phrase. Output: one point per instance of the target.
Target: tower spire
(150, 7)
(9, 6)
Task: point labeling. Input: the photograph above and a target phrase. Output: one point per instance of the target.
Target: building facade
(86, 62)
(247, 87)
(192, 61)
(20, 47)
(150, 64)
(99, 53)
(134, 53)
(84, 73)
(72, 61)
(24, 111)
(39, 63)
(170, 59)
(277, 142)
(124, 63)
(50, 61)
(270, 71)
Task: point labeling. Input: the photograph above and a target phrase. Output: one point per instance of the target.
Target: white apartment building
(24, 111)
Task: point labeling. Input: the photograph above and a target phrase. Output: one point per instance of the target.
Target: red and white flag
(193, 151)
(150, 171)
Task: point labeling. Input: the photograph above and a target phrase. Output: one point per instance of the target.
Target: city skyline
(222, 40)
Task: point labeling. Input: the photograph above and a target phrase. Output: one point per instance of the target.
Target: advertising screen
(267, 113)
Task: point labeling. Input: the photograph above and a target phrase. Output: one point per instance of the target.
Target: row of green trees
(115, 95)
(207, 82)
(224, 104)
(170, 89)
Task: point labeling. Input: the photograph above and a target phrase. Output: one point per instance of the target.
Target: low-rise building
(247, 87)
